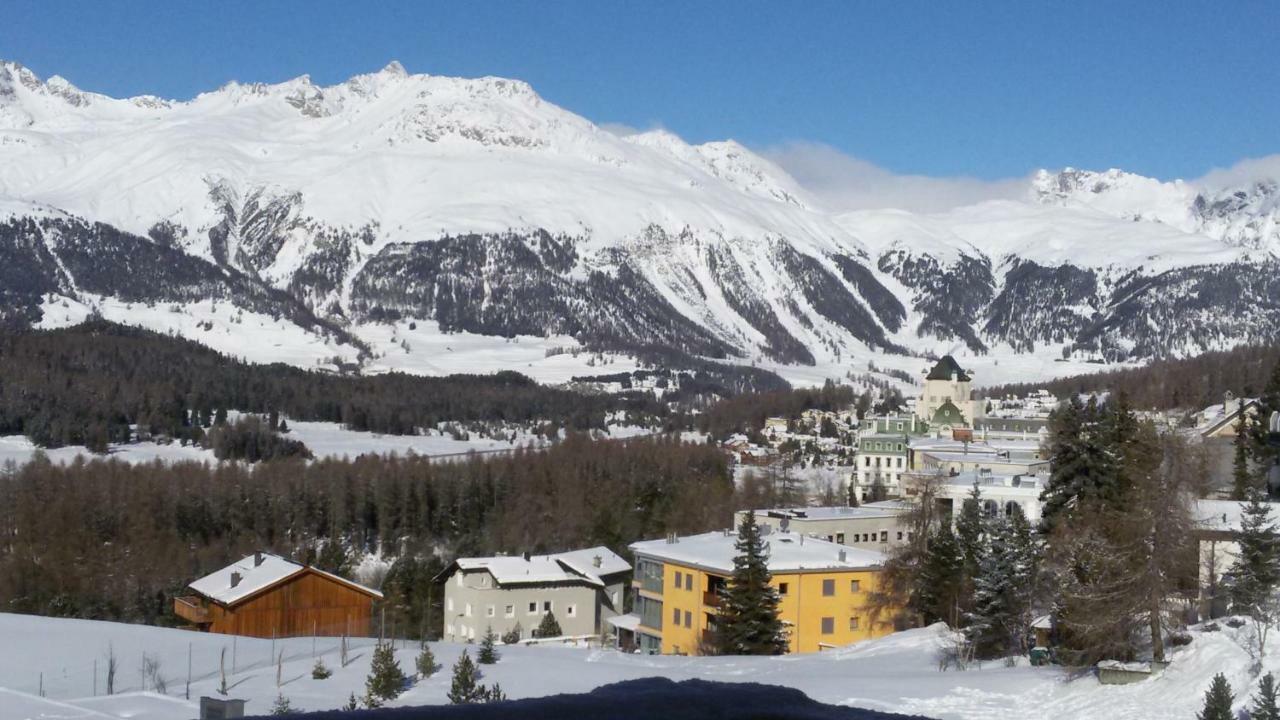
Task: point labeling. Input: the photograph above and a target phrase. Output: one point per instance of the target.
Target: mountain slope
(475, 205)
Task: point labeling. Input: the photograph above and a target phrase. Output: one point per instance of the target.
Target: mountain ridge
(477, 205)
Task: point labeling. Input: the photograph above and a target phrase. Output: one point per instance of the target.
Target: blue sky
(932, 88)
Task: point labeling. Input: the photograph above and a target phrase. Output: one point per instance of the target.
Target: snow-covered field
(324, 439)
(897, 673)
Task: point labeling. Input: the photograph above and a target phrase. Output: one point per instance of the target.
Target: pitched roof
(257, 576)
(788, 552)
(945, 368)
(572, 566)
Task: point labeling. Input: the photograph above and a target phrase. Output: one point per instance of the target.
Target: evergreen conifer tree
(281, 706)
(1217, 700)
(940, 582)
(1001, 616)
(1265, 704)
(466, 687)
(549, 627)
(1256, 572)
(352, 704)
(494, 694)
(488, 655)
(1241, 479)
(386, 680)
(1265, 444)
(749, 622)
(426, 661)
(970, 527)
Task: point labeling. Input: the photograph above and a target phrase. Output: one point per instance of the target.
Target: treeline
(107, 540)
(87, 384)
(747, 413)
(1190, 383)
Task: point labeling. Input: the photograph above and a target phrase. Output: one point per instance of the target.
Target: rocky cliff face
(478, 206)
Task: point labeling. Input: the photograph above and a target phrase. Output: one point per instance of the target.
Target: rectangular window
(782, 588)
(688, 581)
(899, 534)
(853, 623)
(675, 616)
(828, 588)
(855, 586)
(688, 619)
(828, 625)
(884, 536)
(546, 606)
(679, 579)
(510, 611)
(533, 608)
(571, 610)
(840, 538)
(489, 611)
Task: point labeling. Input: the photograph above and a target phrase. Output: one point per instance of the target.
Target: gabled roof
(946, 412)
(256, 577)
(573, 566)
(944, 369)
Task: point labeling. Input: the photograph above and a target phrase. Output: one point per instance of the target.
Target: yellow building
(824, 589)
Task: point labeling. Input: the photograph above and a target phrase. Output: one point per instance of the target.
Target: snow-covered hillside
(474, 206)
(898, 673)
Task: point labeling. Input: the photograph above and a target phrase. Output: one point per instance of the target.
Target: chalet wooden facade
(265, 595)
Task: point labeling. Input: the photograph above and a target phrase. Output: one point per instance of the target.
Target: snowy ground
(898, 673)
(325, 440)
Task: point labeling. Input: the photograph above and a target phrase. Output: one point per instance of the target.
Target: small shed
(265, 595)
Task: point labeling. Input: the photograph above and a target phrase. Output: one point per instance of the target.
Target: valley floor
(899, 673)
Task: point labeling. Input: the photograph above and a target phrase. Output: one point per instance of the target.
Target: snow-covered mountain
(330, 214)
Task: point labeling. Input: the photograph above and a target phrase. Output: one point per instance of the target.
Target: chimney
(235, 578)
(257, 558)
(597, 561)
(843, 555)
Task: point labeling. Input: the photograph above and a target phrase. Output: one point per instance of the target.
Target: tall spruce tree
(1001, 615)
(970, 527)
(748, 623)
(939, 585)
(1241, 478)
(1256, 571)
(1217, 700)
(549, 627)
(1265, 704)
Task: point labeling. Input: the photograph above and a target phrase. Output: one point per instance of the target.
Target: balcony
(191, 609)
(711, 599)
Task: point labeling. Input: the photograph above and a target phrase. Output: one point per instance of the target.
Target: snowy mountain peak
(394, 69)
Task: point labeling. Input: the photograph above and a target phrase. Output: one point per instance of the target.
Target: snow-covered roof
(1007, 484)
(838, 512)
(625, 622)
(788, 552)
(257, 572)
(953, 456)
(572, 566)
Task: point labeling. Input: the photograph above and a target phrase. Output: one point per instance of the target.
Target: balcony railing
(711, 599)
(191, 609)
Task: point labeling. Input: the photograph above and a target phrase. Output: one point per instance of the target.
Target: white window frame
(571, 611)
(509, 611)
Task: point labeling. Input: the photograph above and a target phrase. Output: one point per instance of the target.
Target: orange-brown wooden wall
(305, 604)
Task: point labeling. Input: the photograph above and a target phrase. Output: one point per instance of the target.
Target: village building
(997, 493)
(824, 588)
(946, 399)
(881, 461)
(1011, 428)
(874, 526)
(583, 589)
(265, 595)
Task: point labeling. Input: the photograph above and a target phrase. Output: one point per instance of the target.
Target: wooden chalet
(265, 595)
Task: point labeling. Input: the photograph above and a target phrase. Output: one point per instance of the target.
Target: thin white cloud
(620, 129)
(843, 183)
(1244, 172)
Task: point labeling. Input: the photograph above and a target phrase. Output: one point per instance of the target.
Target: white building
(582, 588)
(998, 493)
(874, 526)
(946, 398)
